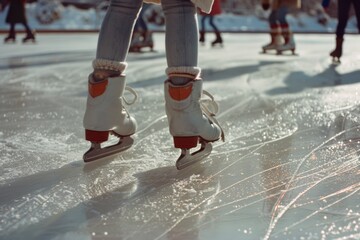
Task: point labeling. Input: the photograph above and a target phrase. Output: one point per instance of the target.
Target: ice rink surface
(289, 168)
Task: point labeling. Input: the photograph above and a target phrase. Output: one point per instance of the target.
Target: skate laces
(134, 93)
(210, 108)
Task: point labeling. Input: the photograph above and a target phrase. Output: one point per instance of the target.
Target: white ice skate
(289, 46)
(141, 40)
(191, 120)
(105, 114)
(276, 41)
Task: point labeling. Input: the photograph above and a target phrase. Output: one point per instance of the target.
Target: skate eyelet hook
(134, 93)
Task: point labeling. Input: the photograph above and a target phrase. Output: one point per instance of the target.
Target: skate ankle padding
(104, 64)
(179, 93)
(184, 71)
(101, 74)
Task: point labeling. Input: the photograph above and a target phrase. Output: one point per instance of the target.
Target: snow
(289, 168)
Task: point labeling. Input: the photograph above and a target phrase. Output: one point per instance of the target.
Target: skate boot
(191, 118)
(10, 38)
(30, 37)
(202, 38)
(136, 42)
(276, 40)
(289, 45)
(337, 53)
(218, 40)
(289, 42)
(148, 40)
(105, 112)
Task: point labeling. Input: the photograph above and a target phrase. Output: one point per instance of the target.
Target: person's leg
(343, 17)
(183, 89)
(105, 112)
(356, 4)
(181, 37)
(289, 42)
(216, 30)
(11, 35)
(202, 28)
(116, 30)
(29, 34)
(274, 32)
(284, 25)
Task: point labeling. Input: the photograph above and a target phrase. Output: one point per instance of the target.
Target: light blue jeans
(181, 31)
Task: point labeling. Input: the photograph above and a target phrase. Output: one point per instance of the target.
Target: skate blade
(281, 52)
(186, 158)
(95, 153)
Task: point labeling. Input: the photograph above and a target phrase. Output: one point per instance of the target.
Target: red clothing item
(215, 10)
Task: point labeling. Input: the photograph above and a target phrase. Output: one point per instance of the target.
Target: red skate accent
(97, 88)
(186, 142)
(284, 25)
(179, 93)
(96, 136)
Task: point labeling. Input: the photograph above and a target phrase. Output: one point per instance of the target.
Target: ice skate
(202, 38)
(29, 38)
(141, 40)
(270, 46)
(97, 152)
(289, 45)
(286, 47)
(218, 41)
(273, 45)
(276, 39)
(337, 53)
(105, 114)
(191, 120)
(10, 39)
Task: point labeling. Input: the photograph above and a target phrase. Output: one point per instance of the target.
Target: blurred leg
(343, 17)
(357, 12)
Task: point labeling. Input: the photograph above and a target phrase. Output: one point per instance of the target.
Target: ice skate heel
(185, 142)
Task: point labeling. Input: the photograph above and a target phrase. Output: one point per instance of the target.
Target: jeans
(181, 37)
(343, 15)
(211, 22)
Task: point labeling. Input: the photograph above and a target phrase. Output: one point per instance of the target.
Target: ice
(289, 168)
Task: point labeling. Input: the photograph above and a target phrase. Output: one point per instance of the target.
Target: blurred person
(282, 38)
(215, 10)
(343, 17)
(17, 14)
(142, 36)
(191, 118)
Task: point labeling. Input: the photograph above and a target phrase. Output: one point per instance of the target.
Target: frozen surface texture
(289, 168)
